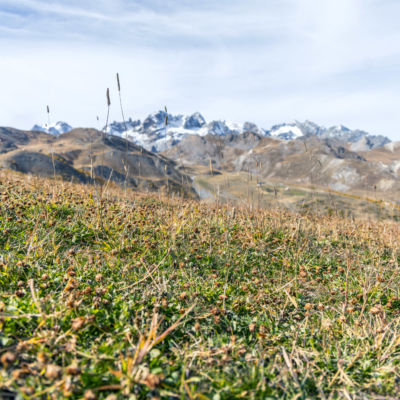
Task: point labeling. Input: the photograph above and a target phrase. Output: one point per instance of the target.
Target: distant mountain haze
(152, 134)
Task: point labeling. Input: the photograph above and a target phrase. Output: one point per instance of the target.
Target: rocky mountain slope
(82, 153)
(307, 160)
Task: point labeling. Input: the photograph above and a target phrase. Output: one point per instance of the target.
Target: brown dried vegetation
(171, 298)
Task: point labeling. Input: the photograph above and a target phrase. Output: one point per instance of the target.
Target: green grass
(174, 299)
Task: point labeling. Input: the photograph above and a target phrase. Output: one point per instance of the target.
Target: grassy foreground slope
(173, 299)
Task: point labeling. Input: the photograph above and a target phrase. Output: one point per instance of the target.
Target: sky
(265, 61)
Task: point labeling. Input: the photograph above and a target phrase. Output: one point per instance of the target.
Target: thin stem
(126, 167)
(104, 132)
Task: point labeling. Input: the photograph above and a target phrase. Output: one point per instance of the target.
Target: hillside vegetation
(246, 189)
(82, 155)
(147, 297)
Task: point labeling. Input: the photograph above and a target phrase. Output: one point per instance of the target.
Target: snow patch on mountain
(360, 140)
(153, 135)
(286, 132)
(54, 129)
(392, 146)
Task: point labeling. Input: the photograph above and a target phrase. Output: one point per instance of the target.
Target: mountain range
(299, 153)
(153, 135)
(308, 160)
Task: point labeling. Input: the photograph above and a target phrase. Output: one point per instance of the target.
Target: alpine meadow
(199, 200)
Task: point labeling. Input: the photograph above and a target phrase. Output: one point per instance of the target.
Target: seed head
(87, 290)
(41, 357)
(152, 381)
(78, 323)
(8, 358)
(73, 369)
(89, 395)
(375, 309)
(118, 83)
(183, 296)
(52, 371)
(108, 97)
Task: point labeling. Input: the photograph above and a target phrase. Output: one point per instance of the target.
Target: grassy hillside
(244, 189)
(173, 299)
(82, 155)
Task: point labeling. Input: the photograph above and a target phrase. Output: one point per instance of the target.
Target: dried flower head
(52, 371)
(8, 358)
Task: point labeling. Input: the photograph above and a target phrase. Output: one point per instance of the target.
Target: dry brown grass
(263, 304)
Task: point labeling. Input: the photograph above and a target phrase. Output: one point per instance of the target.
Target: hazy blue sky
(266, 61)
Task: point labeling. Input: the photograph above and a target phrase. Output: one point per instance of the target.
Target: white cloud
(330, 61)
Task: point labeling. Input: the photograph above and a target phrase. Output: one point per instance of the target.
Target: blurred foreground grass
(174, 299)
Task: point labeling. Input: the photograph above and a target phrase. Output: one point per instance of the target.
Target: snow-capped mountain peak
(55, 128)
(340, 128)
(155, 136)
(123, 126)
(286, 131)
(152, 134)
(194, 121)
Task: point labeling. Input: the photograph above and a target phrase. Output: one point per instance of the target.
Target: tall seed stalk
(165, 126)
(102, 158)
(165, 136)
(125, 163)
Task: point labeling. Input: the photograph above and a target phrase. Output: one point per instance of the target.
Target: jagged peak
(152, 134)
(55, 128)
